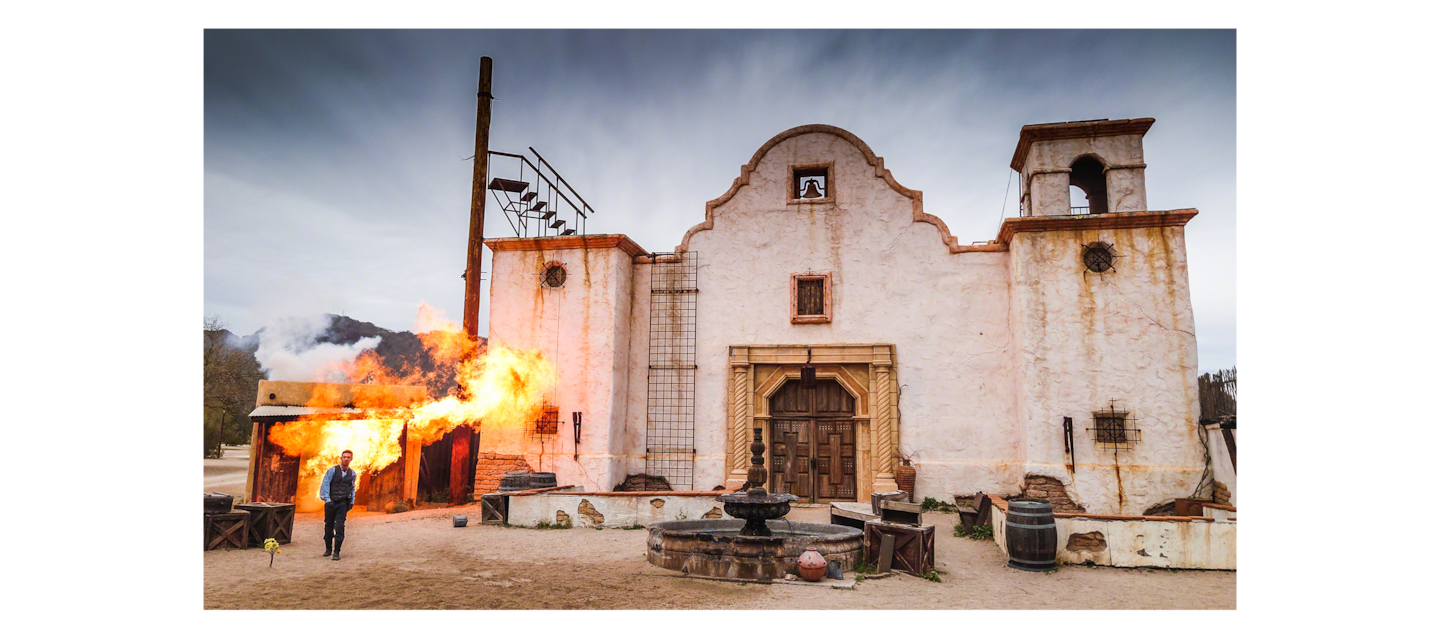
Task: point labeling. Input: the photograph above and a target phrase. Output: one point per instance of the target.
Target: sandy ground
(419, 560)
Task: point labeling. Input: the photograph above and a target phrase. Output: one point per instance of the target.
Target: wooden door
(790, 453)
(835, 459)
(386, 486)
(277, 474)
(812, 442)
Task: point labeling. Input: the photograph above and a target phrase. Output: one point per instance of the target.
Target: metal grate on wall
(670, 417)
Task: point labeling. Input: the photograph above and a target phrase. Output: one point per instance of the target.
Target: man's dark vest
(342, 484)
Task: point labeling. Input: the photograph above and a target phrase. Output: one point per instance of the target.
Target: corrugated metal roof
(300, 410)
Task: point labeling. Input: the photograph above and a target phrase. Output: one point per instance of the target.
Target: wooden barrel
(1030, 535)
(515, 481)
(542, 479)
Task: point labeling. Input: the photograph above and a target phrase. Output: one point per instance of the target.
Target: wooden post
(460, 487)
(477, 203)
(460, 449)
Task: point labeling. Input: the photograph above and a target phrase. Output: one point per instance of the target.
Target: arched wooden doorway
(812, 436)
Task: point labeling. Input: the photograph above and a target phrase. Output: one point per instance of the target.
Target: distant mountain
(397, 350)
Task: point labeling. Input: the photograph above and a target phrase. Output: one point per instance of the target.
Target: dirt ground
(419, 560)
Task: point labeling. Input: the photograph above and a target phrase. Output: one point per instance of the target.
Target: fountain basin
(716, 547)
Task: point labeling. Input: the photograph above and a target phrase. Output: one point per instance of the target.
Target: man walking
(337, 489)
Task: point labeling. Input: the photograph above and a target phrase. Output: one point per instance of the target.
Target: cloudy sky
(336, 177)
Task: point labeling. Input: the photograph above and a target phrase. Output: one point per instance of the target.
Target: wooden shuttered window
(810, 297)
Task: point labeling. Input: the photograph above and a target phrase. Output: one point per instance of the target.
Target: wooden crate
(218, 502)
(914, 546)
(269, 520)
(493, 509)
(227, 531)
(900, 512)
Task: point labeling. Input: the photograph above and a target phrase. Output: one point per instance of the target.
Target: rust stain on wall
(1119, 485)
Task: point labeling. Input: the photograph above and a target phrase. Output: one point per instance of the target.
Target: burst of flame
(502, 387)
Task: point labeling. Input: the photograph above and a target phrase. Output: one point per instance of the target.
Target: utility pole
(477, 203)
(461, 465)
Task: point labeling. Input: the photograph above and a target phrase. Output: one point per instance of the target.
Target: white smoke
(290, 351)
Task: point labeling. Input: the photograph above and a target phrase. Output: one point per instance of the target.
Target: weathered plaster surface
(895, 280)
(614, 510)
(1083, 340)
(582, 327)
(1195, 544)
(1047, 177)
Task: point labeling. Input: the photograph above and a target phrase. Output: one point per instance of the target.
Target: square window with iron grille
(553, 275)
(810, 297)
(811, 183)
(1113, 430)
(549, 422)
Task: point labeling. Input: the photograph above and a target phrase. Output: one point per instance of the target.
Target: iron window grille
(1114, 430)
(554, 275)
(549, 422)
(1099, 257)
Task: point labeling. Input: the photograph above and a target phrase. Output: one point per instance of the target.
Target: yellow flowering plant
(272, 546)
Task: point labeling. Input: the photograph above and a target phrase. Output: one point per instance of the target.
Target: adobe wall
(1083, 340)
(895, 280)
(582, 327)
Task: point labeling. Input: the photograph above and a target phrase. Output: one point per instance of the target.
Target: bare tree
(231, 378)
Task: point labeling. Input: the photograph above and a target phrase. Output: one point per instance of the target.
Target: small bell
(810, 189)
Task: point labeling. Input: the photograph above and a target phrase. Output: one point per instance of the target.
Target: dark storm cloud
(336, 178)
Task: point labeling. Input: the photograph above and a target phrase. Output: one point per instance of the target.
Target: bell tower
(1104, 159)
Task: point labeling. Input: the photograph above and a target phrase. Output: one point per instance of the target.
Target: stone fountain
(752, 550)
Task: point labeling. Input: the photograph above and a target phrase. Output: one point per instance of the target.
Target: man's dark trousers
(335, 512)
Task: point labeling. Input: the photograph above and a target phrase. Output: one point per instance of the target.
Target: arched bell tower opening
(1088, 175)
(1102, 158)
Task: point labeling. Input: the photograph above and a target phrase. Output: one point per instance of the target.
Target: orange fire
(503, 388)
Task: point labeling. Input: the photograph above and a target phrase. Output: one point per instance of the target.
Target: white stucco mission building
(966, 360)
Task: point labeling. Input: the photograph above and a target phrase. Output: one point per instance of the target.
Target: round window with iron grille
(1099, 257)
(554, 275)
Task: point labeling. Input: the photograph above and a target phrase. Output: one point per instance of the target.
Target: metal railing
(537, 204)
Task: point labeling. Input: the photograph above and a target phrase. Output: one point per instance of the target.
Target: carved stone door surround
(866, 371)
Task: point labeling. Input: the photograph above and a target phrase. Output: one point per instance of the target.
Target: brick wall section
(490, 467)
(1051, 490)
(1222, 493)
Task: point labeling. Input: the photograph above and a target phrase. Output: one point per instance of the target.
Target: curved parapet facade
(829, 311)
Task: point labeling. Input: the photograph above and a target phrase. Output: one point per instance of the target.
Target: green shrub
(978, 532)
(931, 505)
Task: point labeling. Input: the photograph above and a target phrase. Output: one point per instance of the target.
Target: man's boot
(327, 549)
(336, 555)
